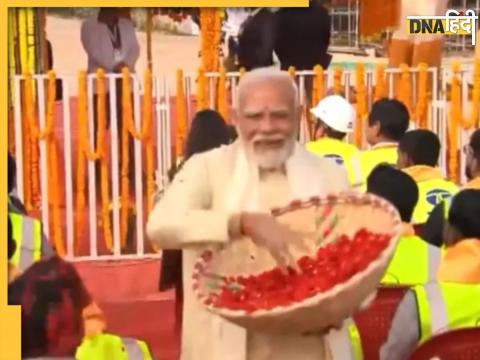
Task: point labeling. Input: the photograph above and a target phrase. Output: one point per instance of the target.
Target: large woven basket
(349, 213)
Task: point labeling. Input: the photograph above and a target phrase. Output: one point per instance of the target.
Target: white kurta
(192, 215)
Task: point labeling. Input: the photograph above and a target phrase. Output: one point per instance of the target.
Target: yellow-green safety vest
(345, 343)
(342, 153)
(446, 306)
(446, 207)
(369, 159)
(27, 234)
(431, 193)
(112, 347)
(415, 262)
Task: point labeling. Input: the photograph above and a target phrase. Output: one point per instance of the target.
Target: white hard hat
(336, 112)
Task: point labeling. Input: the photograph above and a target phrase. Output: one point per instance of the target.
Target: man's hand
(265, 230)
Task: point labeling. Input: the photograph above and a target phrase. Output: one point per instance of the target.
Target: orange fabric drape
(375, 16)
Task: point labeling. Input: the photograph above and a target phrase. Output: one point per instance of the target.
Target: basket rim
(380, 261)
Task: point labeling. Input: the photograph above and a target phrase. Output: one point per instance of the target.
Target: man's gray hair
(266, 74)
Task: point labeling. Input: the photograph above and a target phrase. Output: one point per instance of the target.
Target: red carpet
(127, 293)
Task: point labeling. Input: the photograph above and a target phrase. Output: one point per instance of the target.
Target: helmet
(336, 112)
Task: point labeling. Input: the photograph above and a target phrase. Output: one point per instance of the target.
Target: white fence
(163, 122)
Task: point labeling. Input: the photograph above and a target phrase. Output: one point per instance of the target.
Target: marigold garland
(149, 148)
(202, 90)
(210, 35)
(33, 135)
(337, 80)
(405, 93)
(127, 115)
(362, 109)
(380, 83)
(422, 97)
(181, 133)
(474, 115)
(455, 116)
(222, 99)
(80, 201)
(318, 84)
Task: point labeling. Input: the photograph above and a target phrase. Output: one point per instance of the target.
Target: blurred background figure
(432, 230)
(452, 301)
(387, 123)
(208, 131)
(415, 262)
(335, 119)
(418, 154)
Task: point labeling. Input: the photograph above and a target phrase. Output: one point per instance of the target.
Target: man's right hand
(265, 230)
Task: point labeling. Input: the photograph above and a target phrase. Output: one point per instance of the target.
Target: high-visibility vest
(345, 343)
(27, 234)
(108, 346)
(369, 159)
(415, 262)
(342, 153)
(431, 193)
(446, 306)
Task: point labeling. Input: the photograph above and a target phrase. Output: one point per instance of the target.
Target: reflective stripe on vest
(446, 207)
(136, 349)
(415, 262)
(430, 194)
(27, 234)
(346, 343)
(342, 153)
(446, 306)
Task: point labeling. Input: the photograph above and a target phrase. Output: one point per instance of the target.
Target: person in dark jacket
(303, 36)
(256, 40)
(14, 203)
(208, 131)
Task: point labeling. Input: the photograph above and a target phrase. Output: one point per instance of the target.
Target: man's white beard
(270, 159)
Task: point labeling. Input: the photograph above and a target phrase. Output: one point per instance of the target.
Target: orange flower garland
(361, 103)
(318, 84)
(474, 116)
(337, 80)
(405, 94)
(149, 148)
(222, 100)
(54, 195)
(127, 115)
(455, 116)
(181, 133)
(210, 34)
(202, 90)
(422, 98)
(80, 201)
(380, 83)
(32, 177)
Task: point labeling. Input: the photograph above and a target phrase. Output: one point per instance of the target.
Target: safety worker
(107, 346)
(450, 302)
(432, 230)
(418, 154)
(387, 123)
(415, 261)
(335, 119)
(30, 243)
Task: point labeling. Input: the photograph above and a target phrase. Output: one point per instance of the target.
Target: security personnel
(387, 123)
(450, 302)
(30, 243)
(415, 261)
(107, 346)
(419, 151)
(335, 119)
(432, 230)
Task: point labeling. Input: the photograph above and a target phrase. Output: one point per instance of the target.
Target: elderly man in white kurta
(226, 193)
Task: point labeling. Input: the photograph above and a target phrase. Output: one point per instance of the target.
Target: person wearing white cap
(335, 119)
